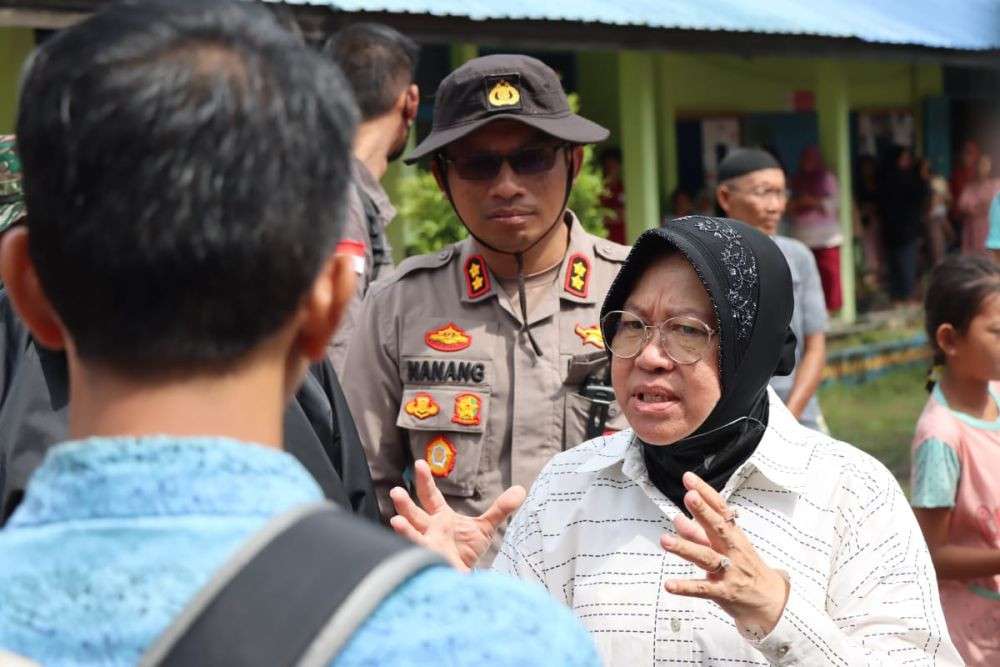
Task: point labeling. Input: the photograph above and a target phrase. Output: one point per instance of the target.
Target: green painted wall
(15, 45)
(597, 85)
(711, 83)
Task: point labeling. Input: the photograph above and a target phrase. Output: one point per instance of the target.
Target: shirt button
(783, 650)
(675, 625)
(443, 254)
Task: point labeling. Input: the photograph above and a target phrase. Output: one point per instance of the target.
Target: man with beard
(380, 65)
(485, 359)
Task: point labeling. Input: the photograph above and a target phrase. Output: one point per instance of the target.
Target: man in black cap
(485, 359)
(752, 189)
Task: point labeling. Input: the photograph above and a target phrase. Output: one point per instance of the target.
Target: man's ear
(411, 102)
(324, 305)
(25, 290)
(722, 195)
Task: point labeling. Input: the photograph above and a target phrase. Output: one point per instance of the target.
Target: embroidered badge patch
(467, 407)
(449, 338)
(590, 335)
(578, 276)
(502, 92)
(477, 277)
(440, 456)
(422, 406)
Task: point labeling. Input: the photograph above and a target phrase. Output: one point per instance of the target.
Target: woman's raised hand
(736, 578)
(433, 524)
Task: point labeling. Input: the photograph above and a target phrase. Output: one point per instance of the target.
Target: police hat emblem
(502, 92)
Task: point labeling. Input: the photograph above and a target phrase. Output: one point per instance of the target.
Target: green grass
(878, 416)
(871, 337)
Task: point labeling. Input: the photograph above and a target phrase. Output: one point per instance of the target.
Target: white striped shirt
(863, 589)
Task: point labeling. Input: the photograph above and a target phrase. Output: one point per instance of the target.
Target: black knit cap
(513, 87)
(744, 161)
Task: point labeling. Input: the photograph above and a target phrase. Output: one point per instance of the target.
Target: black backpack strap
(293, 595)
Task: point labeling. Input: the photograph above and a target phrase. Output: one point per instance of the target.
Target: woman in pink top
(956, 452)
(974, 207)
(815, 214)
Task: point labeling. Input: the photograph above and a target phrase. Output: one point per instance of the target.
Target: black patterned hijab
(750, 287)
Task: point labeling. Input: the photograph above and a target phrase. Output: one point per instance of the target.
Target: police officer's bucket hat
(11, 197)
(513, 87)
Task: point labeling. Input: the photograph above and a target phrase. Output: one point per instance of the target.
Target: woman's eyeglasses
(525, 162)
(684, 339)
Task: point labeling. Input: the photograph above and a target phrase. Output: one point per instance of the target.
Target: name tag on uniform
(451, 370)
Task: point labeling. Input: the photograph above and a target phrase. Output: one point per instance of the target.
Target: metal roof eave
(320, 20)
(581, 36)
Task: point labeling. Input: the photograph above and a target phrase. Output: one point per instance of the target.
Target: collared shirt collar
(163, 476)
(782, 455)
(366, 181)
(575, 274)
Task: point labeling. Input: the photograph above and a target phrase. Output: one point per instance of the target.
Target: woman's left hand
(736, 579)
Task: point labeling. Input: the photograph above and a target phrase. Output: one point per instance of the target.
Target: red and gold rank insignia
(440, 456)
(590, 335)
(467, 407)
(477, 277)
(449, 338)
(422, 406)
(578, 276)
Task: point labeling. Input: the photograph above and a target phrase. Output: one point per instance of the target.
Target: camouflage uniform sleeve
(373, 389)
(355, 229)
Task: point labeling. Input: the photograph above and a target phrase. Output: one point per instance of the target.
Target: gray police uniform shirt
(363, 184)
(808, 317)
(439, 369)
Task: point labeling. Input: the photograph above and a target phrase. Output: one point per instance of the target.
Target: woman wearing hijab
(816, 220)
(717, 530)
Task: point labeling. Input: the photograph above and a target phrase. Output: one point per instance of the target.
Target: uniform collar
(782, 455)
(575, 275)
(367, 182)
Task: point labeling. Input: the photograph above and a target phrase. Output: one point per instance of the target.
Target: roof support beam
(833, 111)
(666, 121)
(463, 52)
(637, 97)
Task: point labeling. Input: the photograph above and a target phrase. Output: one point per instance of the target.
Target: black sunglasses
(525, 162)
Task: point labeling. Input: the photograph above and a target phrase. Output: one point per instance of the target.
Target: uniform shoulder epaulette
(431, 260)
(610, 250)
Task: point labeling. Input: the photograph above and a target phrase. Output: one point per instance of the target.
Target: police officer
(485, 359)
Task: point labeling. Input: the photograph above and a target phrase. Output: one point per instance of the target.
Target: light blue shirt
(808, 317)
(993, 240)
(116, 535)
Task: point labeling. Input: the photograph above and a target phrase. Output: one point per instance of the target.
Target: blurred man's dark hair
(379, 61)
(185, 186)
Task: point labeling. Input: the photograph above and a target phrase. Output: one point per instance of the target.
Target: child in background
(939, 231)
(956, 452)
